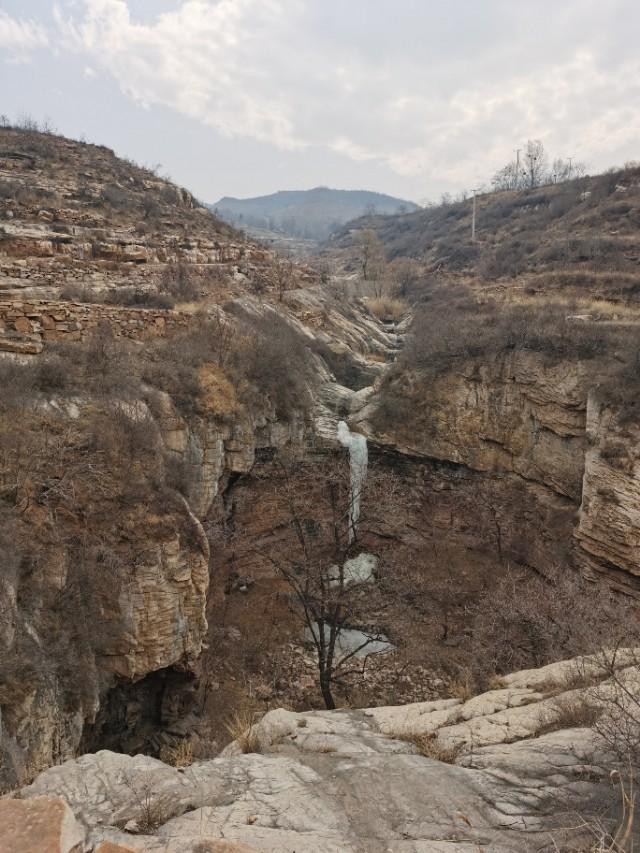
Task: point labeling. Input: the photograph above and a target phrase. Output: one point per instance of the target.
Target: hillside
(307, 214)
(76, 218)
(583, 233)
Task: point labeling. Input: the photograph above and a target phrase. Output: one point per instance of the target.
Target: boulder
(39, 825)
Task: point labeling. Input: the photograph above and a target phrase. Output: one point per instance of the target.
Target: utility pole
(518, 150)
(473, 218)
(570, 159)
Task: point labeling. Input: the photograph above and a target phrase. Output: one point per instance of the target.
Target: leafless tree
(314, 503)
(372, 256)
(283, 275)
(405, 274)
(507, 178)
(535, 163)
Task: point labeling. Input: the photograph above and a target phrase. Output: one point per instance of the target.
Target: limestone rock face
(511, 413)
(146, 614)
(353, 781)
(162, 611)
(609, 525)
(559, 465)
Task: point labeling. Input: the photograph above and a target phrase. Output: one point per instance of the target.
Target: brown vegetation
(387, 309)
(453, 328)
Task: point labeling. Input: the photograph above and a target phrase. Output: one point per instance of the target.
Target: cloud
(203, 60)
(20, 37)
(442, 91)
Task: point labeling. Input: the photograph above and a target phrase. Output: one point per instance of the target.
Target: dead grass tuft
(178, 754)
(462, 688)
(570, 711)
(387, 308)
(218, 396)
(429, 746)
(242, 729)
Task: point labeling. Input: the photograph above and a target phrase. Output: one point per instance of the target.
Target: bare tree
(405, 274)
(535, 163)
(565, 170)
(330, 594)
(372, 256)
(283, 275)
(507, 178)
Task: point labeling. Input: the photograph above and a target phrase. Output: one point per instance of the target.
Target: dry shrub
(387, 309)
(242, 729)
(429, 746)
(618, 695)
(179, 282)
(529, 620)
(152, 809)
(138, 297)
(273, 358)
(570, 711)
(217, 394)
(600, 835)
(617, 455)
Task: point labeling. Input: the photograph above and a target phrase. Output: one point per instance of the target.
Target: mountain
(308, 214)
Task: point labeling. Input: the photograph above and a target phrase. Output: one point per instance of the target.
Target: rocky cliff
(557, 459)
(507, 770)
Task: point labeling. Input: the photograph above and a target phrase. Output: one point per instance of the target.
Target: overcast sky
(409, 97)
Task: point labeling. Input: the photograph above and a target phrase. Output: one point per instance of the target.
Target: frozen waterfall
(358, 458)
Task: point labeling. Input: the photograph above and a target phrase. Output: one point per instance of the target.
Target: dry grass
(570, 711)
(242, 729)
(596, 308)
(217, 396)
(462, 688)
(178, 754)
(429, 746)
(387, 308)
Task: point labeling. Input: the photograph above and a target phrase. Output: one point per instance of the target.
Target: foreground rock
(39, 824)
(355, 781)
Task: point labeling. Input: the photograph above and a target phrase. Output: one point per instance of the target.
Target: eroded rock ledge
(354, 782)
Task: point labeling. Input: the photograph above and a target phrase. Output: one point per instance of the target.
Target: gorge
(168, 416)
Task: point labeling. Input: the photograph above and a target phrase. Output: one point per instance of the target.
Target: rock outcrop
(493, 775)
(557, 469)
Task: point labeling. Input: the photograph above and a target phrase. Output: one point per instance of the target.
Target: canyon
(140, 606)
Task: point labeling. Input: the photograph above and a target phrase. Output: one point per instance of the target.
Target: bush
(51, 374)
(274, 359)
(529, 620)
(387, 309)
(179, 283)
(74, 292)
(116, 197)
(135, 297)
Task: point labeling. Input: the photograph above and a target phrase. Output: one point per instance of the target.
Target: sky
(408, 97)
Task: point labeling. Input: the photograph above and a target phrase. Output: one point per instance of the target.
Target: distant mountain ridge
(308, 214)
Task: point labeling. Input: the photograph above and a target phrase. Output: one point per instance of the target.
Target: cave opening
(144, 716)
